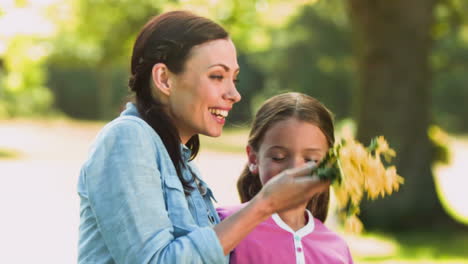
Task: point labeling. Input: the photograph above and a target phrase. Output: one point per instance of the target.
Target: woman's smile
(219, 114)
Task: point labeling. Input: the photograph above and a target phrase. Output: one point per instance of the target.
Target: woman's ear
(160, 78)
(252, 156)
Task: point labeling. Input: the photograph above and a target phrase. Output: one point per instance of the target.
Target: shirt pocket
(176, 205)
(172, 183)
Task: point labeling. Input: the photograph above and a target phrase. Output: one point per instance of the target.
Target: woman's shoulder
(125, 125)
(225, 211)
(128, 123)
(128, 127)
(126, 135)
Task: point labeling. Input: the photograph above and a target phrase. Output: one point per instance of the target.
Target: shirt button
(299, 249)
(297, 238)
(211, 218)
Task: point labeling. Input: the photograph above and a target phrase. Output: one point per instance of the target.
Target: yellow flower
(384, 149)
(393, 180)
(353, 225)
(360, 171)
(375, 177)
(341, 196)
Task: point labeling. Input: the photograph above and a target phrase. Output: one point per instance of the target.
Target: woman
(142, 200)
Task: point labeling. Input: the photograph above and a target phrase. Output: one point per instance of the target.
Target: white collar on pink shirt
(307, 229)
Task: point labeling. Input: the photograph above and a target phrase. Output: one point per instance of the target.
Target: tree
(99, 35)
(312, 54)
(23, 51)
(450, 64)
(22, 90)
(393, 43)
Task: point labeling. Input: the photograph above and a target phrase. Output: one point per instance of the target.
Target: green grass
(416, 247)
(8, 154)
(232, 140)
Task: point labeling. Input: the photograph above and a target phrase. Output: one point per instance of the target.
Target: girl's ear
(160, 78)
(252, 156)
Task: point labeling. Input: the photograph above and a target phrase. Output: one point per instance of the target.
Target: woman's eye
(216, 77)
(236, 81)
(309, 160)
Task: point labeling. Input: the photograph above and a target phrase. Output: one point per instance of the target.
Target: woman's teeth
(219, 112)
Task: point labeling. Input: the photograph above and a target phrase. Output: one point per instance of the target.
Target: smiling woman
(142, 199)
(204, 90)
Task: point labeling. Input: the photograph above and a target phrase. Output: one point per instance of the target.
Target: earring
(252, 167)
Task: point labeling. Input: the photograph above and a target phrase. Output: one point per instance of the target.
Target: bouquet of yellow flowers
(354, 170)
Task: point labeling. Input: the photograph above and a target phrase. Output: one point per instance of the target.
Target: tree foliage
(283, 45)
(99, 36)
(450, 64)
(22, 79)
(312, 54)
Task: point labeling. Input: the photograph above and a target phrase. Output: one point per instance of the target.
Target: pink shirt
(273, 241)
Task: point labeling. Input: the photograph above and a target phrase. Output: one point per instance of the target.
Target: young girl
(288, 131)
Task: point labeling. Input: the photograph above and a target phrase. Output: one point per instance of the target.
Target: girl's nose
(297, 162)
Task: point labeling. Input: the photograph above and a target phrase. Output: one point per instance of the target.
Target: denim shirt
(132, 205)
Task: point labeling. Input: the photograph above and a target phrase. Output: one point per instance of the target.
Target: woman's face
(288, 144)
(204, 93)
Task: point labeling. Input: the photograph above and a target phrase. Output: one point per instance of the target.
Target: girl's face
(204, 93)
(288, 144)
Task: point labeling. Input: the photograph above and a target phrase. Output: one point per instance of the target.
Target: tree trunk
(393, 43)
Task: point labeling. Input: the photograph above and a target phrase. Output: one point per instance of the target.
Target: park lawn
(6, 153)
(411, 247)
(232, 140)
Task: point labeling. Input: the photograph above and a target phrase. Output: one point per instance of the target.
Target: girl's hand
(291, 188)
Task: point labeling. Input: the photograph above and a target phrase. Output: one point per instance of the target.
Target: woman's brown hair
(168, 39)
(278, 108)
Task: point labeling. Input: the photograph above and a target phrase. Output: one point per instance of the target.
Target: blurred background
(393, 68)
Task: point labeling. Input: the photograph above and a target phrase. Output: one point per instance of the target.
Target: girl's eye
(236, 81)
(217, 77)
(277, 158)
(309, 160)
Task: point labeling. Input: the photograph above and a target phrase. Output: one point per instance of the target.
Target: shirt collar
(307, 229)
(185, 152)
(130, 110)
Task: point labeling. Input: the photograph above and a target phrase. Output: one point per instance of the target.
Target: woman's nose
(232, 94)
